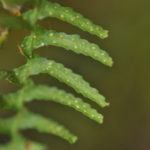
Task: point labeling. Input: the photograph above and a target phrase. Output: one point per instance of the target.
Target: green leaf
(42, 65)
(23, 119)
(44, 125)
(41, 37)
(28, 120)
(42, 92)
(31, 16)
(54, 10)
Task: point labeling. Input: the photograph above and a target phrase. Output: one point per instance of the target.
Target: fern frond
(28, 120)
(39, 65)
(55, 10)
(41, 37)
(44, 125)
(34, 92)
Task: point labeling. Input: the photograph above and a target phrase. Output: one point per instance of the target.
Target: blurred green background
(126, 85)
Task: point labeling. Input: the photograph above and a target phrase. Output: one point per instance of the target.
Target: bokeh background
(126, 85)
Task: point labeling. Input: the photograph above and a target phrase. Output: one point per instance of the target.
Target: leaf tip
(73, 139)
(105, 34)
(109, 62)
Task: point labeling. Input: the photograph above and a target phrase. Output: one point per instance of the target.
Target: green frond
(55, 10)
(41, 37)
(39, 65)
(42, 92)
(31, 16)
(44, 125)
(28, 120)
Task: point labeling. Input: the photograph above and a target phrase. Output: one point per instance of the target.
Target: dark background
(126, 85)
